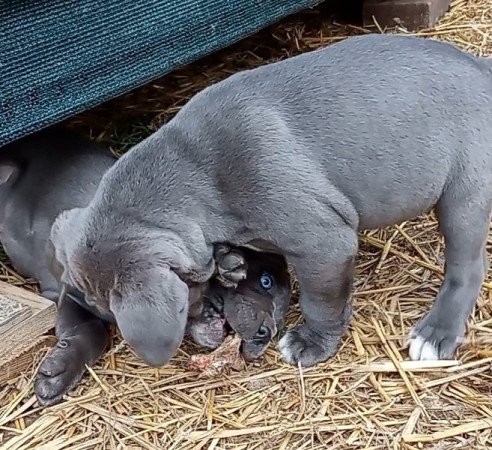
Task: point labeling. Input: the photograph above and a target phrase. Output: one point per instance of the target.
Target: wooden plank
(20, 361)
(411, 14)
(25, 321)
(12, 312)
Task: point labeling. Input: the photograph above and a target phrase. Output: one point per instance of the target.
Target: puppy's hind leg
(464, 222)
(325, 270)
(82, 338)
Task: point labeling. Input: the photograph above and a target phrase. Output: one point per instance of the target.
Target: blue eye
(266, 281)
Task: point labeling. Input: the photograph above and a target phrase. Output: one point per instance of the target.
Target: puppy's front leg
(325, 273)
(82, 339)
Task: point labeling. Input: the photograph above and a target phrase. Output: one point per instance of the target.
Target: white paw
(421, 350)
(302, 346)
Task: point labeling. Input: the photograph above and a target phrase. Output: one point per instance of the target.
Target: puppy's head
(124, 278)
(257, 307)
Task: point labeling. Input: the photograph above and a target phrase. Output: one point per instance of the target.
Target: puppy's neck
(160, 178)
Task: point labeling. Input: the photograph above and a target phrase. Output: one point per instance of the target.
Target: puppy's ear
(151, 314)
(195, 297)
(8, 171)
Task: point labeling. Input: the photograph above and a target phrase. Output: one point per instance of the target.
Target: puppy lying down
(52, 171)
(255, 309)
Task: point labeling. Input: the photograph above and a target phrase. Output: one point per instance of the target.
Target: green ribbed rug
(60, 57)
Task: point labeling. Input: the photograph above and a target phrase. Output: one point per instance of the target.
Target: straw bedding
(367, 397)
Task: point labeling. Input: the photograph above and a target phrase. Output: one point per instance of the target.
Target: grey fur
(49, 172)
(40, 176)
(299, 156)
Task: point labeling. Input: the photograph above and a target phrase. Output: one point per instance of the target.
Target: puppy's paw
(421, 350)
(231, 265)
(58, 373)
(304, 346)
(432, 341)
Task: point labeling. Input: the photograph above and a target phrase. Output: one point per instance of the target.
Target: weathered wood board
(25, 320)
(411, 14)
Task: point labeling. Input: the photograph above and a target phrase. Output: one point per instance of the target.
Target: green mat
(60, 57)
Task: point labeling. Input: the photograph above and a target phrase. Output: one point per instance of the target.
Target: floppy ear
(151, 314)
(7, 172)
(195, 298)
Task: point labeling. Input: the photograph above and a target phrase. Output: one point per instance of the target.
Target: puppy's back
(367, 115)
(56, 170)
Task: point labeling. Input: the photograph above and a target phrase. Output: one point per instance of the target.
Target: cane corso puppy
(296, 158)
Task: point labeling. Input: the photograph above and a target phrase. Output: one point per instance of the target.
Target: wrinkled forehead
(246, 314)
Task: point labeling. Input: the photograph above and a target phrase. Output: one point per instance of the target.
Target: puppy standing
(53, 171)
(297, 156)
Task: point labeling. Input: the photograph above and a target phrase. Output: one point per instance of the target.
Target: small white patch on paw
(285, 350)
(416, 343)
(429, 352)
(421, 350)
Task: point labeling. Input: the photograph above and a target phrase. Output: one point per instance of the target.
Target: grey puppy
(296, 156)
(40, 176)
(255, 309)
